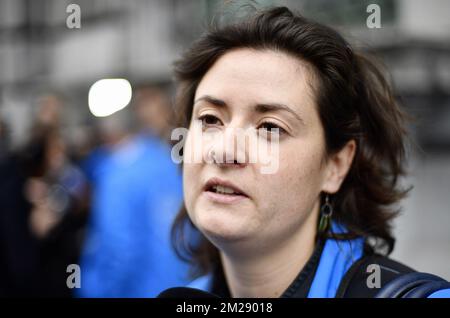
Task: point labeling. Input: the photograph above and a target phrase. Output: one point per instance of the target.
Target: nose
(229, 148)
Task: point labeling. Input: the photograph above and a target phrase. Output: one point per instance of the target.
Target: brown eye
(208, 120)
(269, 126)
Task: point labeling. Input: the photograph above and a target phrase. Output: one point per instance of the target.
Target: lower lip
(224, 198)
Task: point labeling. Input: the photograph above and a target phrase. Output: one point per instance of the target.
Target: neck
(270, 273)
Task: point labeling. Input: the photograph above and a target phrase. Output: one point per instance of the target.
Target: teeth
(223, 190)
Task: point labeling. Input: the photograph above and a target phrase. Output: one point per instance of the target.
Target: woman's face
(244, 89)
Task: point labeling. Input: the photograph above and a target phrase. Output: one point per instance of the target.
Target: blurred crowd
(106, 205)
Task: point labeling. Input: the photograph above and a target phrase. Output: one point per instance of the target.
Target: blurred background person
(18, 246)
(43, 208)
(4, 140)
(136, 195)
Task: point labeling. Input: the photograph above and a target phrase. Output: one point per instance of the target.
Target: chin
(222, 226)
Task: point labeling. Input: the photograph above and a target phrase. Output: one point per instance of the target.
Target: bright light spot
(108, 96)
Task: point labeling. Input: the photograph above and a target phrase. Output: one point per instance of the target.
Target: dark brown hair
(354, 100)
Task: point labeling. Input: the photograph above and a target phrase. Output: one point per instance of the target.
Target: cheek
(299, 176)
(190, 170)
(302, 164)
(188, 184)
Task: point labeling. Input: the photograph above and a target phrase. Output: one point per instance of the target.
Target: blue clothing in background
(137, 193)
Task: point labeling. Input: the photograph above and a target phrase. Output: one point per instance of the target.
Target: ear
(338, 166)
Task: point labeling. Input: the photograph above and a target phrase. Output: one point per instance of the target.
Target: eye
(269, 126)
(208, 120)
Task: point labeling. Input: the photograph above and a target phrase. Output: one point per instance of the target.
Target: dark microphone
(185, 292)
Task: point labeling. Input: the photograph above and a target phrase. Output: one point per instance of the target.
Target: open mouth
(223, 191)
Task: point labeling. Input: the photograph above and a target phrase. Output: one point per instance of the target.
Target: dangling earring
(326, 211)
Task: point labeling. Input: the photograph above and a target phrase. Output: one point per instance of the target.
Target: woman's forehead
(256, 77)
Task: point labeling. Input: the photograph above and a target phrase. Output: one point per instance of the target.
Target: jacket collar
(319, 278)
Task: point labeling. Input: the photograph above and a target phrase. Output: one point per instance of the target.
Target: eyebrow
(264, 108)
(211, 100)
(260, 108)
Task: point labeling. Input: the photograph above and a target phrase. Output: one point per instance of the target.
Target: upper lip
(217, 181)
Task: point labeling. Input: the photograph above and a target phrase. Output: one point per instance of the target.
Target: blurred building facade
(139, 40)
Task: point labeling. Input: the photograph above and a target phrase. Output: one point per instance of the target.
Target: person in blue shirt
(136, 193)
(312, 217)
